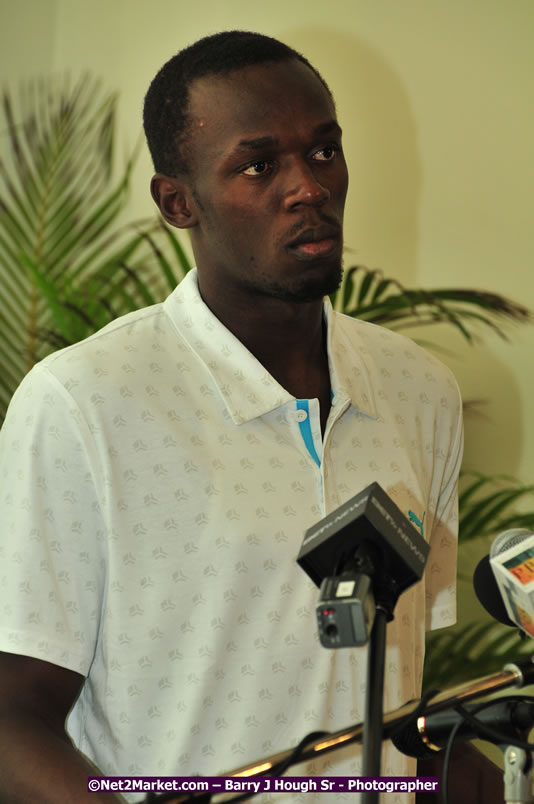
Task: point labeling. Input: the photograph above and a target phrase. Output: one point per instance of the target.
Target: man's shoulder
(125, 333)
(384, 349)
(134, 332)
(123, 352)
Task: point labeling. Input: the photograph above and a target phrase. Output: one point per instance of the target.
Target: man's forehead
(273, 82)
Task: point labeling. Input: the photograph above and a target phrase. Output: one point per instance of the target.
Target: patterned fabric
(156, 483)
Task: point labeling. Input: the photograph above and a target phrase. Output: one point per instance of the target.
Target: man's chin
(308, 288)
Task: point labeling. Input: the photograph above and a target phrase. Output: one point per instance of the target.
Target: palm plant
(66, 265)
(369, 295)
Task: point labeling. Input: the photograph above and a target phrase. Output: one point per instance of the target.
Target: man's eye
(325, 154)
(256, 168)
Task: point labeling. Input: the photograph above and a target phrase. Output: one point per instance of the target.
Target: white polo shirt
(155, 486)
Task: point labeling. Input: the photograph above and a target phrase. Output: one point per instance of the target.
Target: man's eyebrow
(330, 127)
(257, 143)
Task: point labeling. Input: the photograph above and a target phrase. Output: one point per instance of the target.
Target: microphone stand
(386, 592)
(517, 775)
(517, 674)
(374, 702)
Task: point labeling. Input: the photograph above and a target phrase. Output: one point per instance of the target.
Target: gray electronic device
(363, 554)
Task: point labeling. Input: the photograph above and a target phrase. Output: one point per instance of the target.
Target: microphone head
(492, 581)
(488, 593)
(510, 538)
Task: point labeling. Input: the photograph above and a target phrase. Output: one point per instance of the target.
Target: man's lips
(317, 248)
(315, 242)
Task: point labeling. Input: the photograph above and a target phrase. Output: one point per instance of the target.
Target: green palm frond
(135, 274)
(66, 267)
(476, 649)
(487, 505)
(368, 295)
(57, 200)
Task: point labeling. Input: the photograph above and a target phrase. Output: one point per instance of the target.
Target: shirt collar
(349, 361)
(246, 387)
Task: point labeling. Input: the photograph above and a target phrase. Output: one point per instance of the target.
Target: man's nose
(302, 187)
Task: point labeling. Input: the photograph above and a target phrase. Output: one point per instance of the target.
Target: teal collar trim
(305, 430)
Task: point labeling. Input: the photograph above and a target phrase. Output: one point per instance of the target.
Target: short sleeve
(441, 565)
(53, 540)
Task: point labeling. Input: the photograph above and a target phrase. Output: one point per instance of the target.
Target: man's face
(269, 180)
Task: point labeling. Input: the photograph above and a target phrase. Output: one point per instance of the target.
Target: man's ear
(174, 200)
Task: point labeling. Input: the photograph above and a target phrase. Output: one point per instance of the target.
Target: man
(158, 478)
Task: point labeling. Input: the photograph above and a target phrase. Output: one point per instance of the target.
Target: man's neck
(288, 338)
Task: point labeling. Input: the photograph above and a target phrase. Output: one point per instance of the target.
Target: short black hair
(165, 113)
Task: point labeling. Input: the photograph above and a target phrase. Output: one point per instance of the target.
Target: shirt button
(301, 415)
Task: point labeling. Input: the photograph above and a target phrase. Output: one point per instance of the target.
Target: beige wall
(436, 99)
(27, 39)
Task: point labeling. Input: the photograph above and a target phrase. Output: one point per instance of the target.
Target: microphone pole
(517, 674)
(374, 703)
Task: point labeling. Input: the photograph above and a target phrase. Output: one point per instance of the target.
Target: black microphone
(362, 555)
(430, 733)
(488, 593)
(500, 579)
